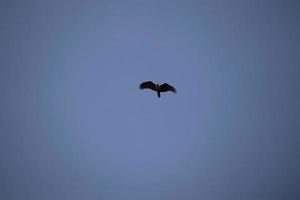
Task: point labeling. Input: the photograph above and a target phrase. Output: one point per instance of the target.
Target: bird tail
(158, 93)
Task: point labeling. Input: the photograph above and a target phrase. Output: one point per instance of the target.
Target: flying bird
(156, 87)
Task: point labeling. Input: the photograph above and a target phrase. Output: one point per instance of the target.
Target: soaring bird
(156, 87)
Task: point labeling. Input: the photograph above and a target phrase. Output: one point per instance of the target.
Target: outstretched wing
(148, 85)
(166, 87)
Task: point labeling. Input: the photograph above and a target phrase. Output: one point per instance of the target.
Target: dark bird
(156, 87)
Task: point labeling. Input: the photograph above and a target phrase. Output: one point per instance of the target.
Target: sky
(74, 125)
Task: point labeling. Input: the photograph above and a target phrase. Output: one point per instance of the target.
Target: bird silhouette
(156, 87)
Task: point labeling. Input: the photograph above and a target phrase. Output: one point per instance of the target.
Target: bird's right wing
(148, 85)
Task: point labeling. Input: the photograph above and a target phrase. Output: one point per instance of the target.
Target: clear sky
(74, 125)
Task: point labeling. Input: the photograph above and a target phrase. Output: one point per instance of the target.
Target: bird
(156, 87)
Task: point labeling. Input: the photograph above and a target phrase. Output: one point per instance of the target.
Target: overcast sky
(74, 125)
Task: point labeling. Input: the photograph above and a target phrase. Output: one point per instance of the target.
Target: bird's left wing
(148, 85)
(166, 87)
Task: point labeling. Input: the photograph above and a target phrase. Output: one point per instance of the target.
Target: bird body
(156, 87)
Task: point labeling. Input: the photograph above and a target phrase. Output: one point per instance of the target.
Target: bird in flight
(156, 87)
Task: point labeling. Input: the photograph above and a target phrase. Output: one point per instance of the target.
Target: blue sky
(74, 125)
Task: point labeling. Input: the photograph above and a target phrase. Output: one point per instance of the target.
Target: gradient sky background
(74, 124)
